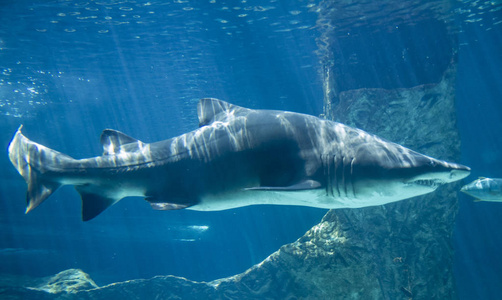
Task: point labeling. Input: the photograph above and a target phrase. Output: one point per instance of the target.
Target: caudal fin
(33, 161)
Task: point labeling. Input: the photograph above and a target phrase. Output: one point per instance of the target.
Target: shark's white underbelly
(214, 202)
(312, 197)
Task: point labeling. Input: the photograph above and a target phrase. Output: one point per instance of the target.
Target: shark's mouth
(431, 183)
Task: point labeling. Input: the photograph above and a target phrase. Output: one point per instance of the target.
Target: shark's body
(238, 157)
(485, 189)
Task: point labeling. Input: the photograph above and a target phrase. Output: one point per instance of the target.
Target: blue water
(478, 237)
(67, 78)
(72, 68)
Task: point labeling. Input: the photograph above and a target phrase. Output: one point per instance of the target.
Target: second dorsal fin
(113, 142)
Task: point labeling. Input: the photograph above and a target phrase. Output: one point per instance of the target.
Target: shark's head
(388, 172)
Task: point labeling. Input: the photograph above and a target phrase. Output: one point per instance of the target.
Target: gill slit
(326, 172)
(348, 176)
(330, 164)
(336, 181)
(352, 177)
(338, 172)
(344, 179)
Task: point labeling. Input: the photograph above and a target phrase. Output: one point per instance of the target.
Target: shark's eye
(432, 163)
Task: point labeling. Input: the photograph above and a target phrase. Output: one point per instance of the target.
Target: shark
(237, 157)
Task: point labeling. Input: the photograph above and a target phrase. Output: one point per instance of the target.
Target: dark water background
(72, 68)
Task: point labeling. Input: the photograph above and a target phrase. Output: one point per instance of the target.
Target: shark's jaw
(453, 172)
(430, 183)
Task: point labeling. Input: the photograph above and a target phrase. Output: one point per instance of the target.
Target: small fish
(485, 189)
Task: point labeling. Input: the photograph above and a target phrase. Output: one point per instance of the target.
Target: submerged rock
(68, 281)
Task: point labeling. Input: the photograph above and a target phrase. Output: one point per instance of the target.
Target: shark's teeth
(427, 182)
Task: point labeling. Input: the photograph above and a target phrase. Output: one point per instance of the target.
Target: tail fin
(33, 161)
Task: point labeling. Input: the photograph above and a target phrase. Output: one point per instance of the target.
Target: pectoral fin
(303, 185)
(169, 206)
(173, 204)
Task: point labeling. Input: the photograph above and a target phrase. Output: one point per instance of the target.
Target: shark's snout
(458, 174)
(435, 172)
(456, 171)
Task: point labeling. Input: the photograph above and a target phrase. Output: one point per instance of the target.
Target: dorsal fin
(113, 141)
(210, 110)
